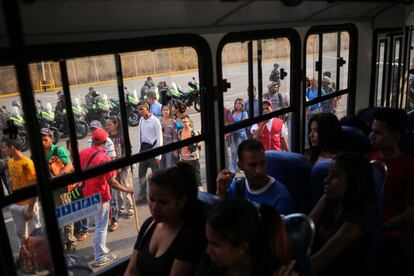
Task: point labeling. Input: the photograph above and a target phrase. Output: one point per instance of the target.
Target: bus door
(389, 69)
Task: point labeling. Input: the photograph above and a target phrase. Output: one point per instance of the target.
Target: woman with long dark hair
(246, 240)
(324, 134)
(172, 241)
(345, 218)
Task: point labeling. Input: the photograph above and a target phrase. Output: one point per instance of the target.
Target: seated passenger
(172, 240)
(270, 133)
(256, 186)
(324, 135)
(245, 240)
(345, 218)
(387, 129)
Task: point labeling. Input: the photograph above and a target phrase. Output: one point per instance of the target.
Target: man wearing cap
(109, 144)
(271, 132)
(109, 148)
(90, 157)
(274, 96)
(150, 136)
(275, 74)
(59, 164)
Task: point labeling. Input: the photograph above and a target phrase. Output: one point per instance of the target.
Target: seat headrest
(353, 139)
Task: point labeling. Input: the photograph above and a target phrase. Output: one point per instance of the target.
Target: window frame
(295, 45)
(352, 68)
(54, 52)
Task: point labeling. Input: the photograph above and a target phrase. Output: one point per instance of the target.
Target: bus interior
(227, 49)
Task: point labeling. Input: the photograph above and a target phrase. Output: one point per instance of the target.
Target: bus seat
(207, 201)
(301, 232)
(318, 174)
(407, 142)
(367, 114)
(353, 140)
(293, 170)
(380, 171)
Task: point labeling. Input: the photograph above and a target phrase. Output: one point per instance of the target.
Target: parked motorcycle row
(175, 93)
(100, 108)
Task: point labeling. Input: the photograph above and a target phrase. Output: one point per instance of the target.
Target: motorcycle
(99, 110)
(46, 117)
(18, 121)
(192, 96)
(131, 102)
(81, 126)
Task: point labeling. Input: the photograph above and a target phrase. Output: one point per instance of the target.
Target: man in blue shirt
(256, 186)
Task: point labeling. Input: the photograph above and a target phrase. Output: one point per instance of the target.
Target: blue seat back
(293, 170)
(301, 232)
(353, 140)
(367, 114)
(318, 174)
(207, 200)
(380, 171)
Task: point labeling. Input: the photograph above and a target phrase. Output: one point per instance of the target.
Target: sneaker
(114, 226)
(105, 259)
(121, 210)
(70, 248)
(83, 236)
(130, 213)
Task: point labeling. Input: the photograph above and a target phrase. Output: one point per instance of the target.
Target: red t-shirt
(398, 190)
(97, 184)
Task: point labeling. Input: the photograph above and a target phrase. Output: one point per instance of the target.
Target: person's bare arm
(223, 181)
(317, 211)
(115, 185)
(258, 133)
(180, 268)
(132, 265)
(347, 234)
(403, 220)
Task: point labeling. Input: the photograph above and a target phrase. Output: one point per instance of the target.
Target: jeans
(125, 178)
(167, 160)
(101, 230)
(235, 142)
(142, 173)
(23, 226)
(114, 205)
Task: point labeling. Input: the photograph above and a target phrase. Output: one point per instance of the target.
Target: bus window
(171, 75)
(344, 54)
(270, 70)
(380, 71)
(312, 59)
(329, 62)
(28, 242)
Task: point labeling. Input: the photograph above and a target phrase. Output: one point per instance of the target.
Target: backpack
(193, 147)
(55, 164)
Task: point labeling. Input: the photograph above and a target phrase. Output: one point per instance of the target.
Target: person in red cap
(271, 132)
(90, 157)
